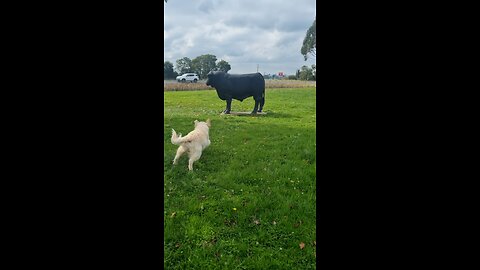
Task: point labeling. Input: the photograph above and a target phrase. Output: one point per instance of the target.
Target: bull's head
(210, 79)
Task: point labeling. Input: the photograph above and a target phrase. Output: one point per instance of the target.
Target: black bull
(239, 87)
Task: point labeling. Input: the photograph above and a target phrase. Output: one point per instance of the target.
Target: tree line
(201, 65)
(305, 73)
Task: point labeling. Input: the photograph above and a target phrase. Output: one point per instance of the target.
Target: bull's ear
(209, 123)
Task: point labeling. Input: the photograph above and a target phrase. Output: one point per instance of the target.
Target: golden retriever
(194, 143)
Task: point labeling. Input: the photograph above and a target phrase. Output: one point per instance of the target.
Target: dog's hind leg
(180, 152)
(194, 156)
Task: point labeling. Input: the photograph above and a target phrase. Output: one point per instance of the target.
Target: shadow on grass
(267, 114)
(281, 115)
(243, 114)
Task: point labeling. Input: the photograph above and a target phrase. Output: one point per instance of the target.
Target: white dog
(194, 142)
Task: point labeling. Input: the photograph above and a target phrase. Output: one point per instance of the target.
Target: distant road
(174, 81)
(203, 81)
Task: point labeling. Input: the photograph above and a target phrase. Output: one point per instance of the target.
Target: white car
(188, 77)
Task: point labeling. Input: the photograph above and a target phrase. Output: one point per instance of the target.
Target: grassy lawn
(250, 201)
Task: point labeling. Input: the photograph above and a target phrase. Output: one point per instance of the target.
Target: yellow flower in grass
(234, 209)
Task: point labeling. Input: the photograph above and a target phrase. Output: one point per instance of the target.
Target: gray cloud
(206, 6)
(244, 33)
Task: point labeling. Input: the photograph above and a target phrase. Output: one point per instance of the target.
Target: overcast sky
(242, 32)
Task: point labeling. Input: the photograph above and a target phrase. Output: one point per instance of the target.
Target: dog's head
(208, 123)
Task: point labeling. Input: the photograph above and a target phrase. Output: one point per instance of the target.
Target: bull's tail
(176, 139)
(262, 101)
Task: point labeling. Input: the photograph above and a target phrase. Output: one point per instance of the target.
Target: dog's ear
(195, 122)
(209, 123)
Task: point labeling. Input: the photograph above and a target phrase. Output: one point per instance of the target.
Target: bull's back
(246, 85)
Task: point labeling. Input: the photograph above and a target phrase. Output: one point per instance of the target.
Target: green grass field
(249, 203)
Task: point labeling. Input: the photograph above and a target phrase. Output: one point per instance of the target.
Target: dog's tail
(176, 139)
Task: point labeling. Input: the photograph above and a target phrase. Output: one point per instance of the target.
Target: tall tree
(203, 64)
(168, 72)
(184, 65)
(310, 41)
(306, 74)
(224, 66)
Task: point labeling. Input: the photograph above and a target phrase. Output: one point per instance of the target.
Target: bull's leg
(229, 106)
(255, 109)
(262, 101)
